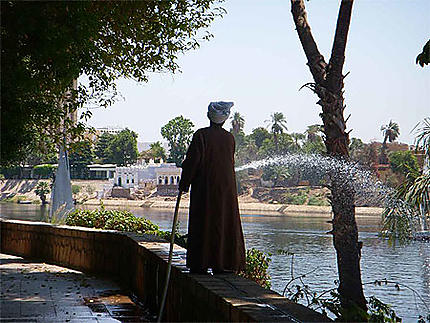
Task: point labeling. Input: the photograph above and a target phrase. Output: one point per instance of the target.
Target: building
(168, 180)
(164, 176)
(102, 171)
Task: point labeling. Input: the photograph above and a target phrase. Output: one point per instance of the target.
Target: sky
(256, 60)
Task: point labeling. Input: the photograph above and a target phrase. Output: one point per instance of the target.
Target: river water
(408, 265)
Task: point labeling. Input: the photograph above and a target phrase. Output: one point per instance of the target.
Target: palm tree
(314, 131)
(415, 191)
(297, 138)
(277, 126)
(237, 123)
(390, 133)
(420, 190)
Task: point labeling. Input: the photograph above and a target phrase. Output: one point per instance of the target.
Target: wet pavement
(39, 292)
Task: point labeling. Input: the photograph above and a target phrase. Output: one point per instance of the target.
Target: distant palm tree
(278, 124)
(237, 124)
(313, 132)
(390, 133)
(422, 139)
(297, 137)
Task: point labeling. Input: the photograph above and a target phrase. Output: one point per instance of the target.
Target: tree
(157, 151)
(403, 162)
(259, 135)
(80, 158)
(42, 189)
(365, 154)
(390, 133)
(313, 132)
(237, 124)
(101, 147)
(47, 45)
(122, 149)
(328, 86)
(277, 126)
(298, 140)
(178, 132)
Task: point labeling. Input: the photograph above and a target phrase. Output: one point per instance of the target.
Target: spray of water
(368, 189)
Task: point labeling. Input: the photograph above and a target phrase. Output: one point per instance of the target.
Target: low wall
(139, 263)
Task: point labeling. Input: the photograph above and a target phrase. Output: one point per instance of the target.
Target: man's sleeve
(191, 163)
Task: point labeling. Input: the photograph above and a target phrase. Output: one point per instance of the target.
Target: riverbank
(16, 191)
(244, 207)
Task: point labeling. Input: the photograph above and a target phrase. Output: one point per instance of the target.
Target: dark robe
(215, 238)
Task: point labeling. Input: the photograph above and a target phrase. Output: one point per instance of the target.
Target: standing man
(215, 238)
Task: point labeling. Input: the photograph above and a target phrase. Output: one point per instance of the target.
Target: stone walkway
(38, 292)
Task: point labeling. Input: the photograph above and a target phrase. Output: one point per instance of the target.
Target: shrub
(257, 263)
(44, 171)
(42, 189)
(76, 189)
(110, 220)
(319, 201)
(296, 199)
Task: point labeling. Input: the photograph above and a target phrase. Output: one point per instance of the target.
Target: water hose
(169, 263)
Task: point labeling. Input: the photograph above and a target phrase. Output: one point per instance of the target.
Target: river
(305, 236)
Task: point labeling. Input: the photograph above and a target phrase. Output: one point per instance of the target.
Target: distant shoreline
(244, 207)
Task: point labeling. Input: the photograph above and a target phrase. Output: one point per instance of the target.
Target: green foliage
(390, 131)
(403, 162)
(157, 151)
(276, 173)
(122, 149)
(318, 201)
(44, 171)
(257, 264)
(178, 132)
(42, 189)
(258, 135)
(237, 124)
(295, 198)
(80, 157)
(76, 189)
(422, 139)
(46, 45)
(110, 220)
(11, 171)
(101, 148)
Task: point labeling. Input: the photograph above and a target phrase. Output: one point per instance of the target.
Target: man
(215, 238)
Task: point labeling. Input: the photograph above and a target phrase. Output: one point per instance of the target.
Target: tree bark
(329, 88)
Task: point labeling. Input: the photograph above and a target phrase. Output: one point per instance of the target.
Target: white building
(152, 173)
(102, 171)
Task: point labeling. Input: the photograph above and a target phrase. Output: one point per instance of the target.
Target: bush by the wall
(257, 262)
(44, 170)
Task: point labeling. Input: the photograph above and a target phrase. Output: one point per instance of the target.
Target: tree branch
(337, 59)
(316, 62)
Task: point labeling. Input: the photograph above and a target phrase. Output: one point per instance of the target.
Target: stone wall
(139, 263)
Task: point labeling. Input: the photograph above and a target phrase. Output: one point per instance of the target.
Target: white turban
(218, 112)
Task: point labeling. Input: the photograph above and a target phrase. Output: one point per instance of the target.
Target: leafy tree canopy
(178, 132)
(156, 151)
(101, 147)
(259, 135)
(403, 162)
(122, 149)
(47, 45)
(80, 158)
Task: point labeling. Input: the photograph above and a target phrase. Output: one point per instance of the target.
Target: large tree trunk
(329, 88)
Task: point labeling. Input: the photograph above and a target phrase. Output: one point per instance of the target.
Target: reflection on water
(306, 237)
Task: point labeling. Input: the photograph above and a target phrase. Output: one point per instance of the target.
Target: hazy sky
(256, 60)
